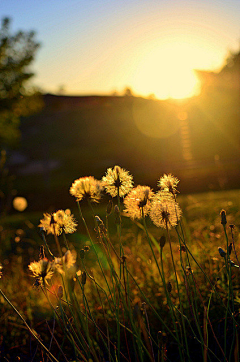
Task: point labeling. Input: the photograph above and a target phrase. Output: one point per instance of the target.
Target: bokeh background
(153, 86)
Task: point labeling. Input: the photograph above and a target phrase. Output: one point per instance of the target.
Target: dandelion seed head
(67, 263)
(117, 180)
(87, 187)
(137, 203)
(58, 222)
(168, 183)
(42, 269)
(65, 220)
(165, 212)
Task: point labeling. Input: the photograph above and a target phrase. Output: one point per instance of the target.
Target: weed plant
(138, 290)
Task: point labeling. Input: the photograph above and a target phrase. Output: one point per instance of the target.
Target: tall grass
(138, 290)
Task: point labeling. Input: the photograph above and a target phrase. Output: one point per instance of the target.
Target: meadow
(127, 275)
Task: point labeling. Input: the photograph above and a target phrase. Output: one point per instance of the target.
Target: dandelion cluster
(165, 211)
(86, 187)
(137, 202)
(117, 181)
(58, 222)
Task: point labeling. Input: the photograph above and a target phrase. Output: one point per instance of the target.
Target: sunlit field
(119, 181)
(130, 274)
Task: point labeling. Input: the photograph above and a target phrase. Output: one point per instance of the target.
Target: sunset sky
(102, 46)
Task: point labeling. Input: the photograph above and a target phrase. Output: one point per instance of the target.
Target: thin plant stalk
(29, 328)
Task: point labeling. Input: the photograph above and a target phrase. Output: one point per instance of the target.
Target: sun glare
(167, 72)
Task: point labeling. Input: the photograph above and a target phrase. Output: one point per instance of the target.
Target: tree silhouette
(17, 52)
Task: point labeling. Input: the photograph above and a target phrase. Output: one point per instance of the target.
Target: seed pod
(82, 254)
(109, 207)
(188, 270)
(162, 241)
(84, 278)
(60, 292)
(230, 248)
(223, 217)
(182, 248)
(222, 252)
(169, 287)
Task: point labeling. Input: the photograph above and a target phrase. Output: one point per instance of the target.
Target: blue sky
(93, 47)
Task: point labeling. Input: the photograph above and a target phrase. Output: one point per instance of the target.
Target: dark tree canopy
(17, 52)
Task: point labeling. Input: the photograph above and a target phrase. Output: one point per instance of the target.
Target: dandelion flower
(168, 183)
(42, 270)
(165, 212)
(58, 222)
(87, 187)
(137, 202)
(117, 181)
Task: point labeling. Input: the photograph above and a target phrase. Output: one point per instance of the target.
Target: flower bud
(222, 252)
(84, 278)
(162, 241)
(230, 248)
(82, 254)
(60, 292)
(169, 287)
(223, 217)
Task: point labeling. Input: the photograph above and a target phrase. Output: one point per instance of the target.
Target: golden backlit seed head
(66, 263)
(58, 222)
(87, 187)
(42, 269)
(165, 212)
(138, 202)
(168, 183)
(117, 180)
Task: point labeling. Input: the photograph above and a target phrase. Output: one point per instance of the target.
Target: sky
(102, 46)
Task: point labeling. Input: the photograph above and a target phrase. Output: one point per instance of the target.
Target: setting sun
(168, 72)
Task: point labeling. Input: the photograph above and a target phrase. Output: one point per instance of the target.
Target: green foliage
(17, 52)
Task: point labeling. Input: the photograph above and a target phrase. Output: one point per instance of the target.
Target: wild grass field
(127, 275)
